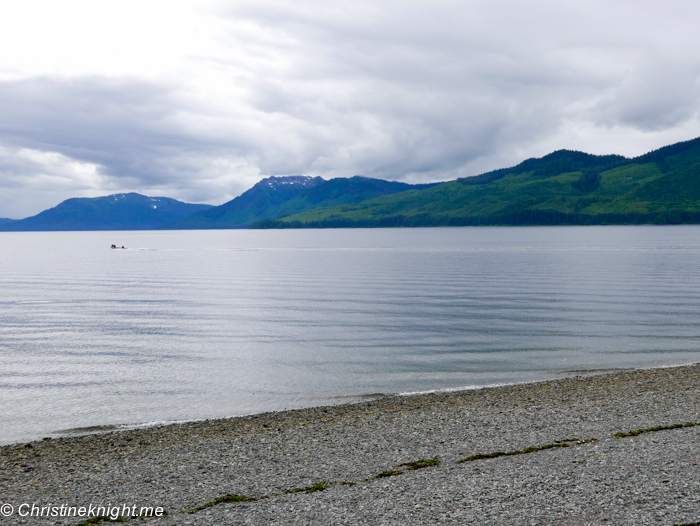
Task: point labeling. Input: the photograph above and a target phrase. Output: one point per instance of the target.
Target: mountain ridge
(130, 211)
(250, 206)
(278, 196)
(563, 187)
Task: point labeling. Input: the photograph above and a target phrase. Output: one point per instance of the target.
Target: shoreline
(541, 451)
(353, 400)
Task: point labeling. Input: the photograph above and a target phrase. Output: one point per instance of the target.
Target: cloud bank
(198, 101)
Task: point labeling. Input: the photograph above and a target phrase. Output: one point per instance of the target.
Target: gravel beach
(394, 460)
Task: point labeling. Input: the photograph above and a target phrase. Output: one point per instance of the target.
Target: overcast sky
(200, 100)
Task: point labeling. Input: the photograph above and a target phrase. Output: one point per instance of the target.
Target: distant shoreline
(355, 227)
(543, 218)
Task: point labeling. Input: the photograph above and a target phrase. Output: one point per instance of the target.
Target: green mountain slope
(113, 212)
(342, 191)
(279, 196)
(563, 187)
(257, 203)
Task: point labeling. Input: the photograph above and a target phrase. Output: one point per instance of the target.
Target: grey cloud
(112, 123)
(419, 90)
(656, 96)
(131, 130)
(31, 180)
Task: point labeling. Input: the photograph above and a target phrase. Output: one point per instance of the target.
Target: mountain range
(270, 198)
(564, 187)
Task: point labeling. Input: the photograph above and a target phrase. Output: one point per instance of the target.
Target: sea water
(184, 325)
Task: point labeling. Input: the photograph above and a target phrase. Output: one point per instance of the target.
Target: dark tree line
(524, 218)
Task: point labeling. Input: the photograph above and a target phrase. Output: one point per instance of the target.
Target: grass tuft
(556, 444)
(391, 473)
(420, 464)
(652, 429)
(319, 486)
(103, 518)
(228, 498)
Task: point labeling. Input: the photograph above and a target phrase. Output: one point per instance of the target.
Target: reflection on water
(198, 324)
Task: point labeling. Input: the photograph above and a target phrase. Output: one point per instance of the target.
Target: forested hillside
(564, 187)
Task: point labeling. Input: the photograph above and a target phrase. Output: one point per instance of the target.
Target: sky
(199, 100)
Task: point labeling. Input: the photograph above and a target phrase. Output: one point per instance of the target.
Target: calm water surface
(199, 324)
